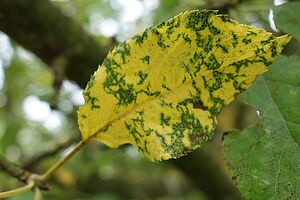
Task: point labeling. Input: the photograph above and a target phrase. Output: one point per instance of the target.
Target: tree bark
(40, 27)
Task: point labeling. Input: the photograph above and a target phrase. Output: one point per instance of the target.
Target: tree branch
(14, 170)
(41, 28)
(21, 174)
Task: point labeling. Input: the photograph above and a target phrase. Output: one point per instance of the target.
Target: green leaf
(162, 90)
(287, 18)
(265, 158)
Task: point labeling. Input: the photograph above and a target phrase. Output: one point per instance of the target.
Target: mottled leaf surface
(287, 18)
(163, 89)
(265, 159)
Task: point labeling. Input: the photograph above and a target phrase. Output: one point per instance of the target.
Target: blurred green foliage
(97, 172)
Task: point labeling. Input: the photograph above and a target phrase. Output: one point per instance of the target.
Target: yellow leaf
(163, 89)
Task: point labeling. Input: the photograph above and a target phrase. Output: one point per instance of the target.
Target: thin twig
(23, 189)
(62, 161)
(70, 154)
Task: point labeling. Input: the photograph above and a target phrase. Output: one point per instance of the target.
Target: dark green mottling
(164, 119)
(160, 42)
(226, 19)
(138, 130)
(124, 50)
(148, 91)
(133, 131)
(214, 30)
(187, 69)
(239, 86)
(143, 76)
(124, 91)
(234, 39)
(251, 33)
(164, 85)
(87, 93)
(224, 49)
(241, 63)
(205, 43)
(139, 39)
(163, 103)
(273, 47)
(146, 59)
(186, 38)
(246, 41)
(199, 20)
(212, 63)
(267, 41)
(218, 76)
(190, 124)
(172, 25)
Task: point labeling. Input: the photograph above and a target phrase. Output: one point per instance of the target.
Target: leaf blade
(147, 89)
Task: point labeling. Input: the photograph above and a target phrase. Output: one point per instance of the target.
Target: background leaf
(265, 159)
(287, 18)
(162, 90)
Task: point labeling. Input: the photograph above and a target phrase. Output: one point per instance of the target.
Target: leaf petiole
(58, 164)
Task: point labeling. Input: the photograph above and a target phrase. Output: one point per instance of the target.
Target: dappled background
(40, 93)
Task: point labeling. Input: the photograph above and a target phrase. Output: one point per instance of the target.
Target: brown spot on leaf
(193, 138)
(199, 105)
(185, 151)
